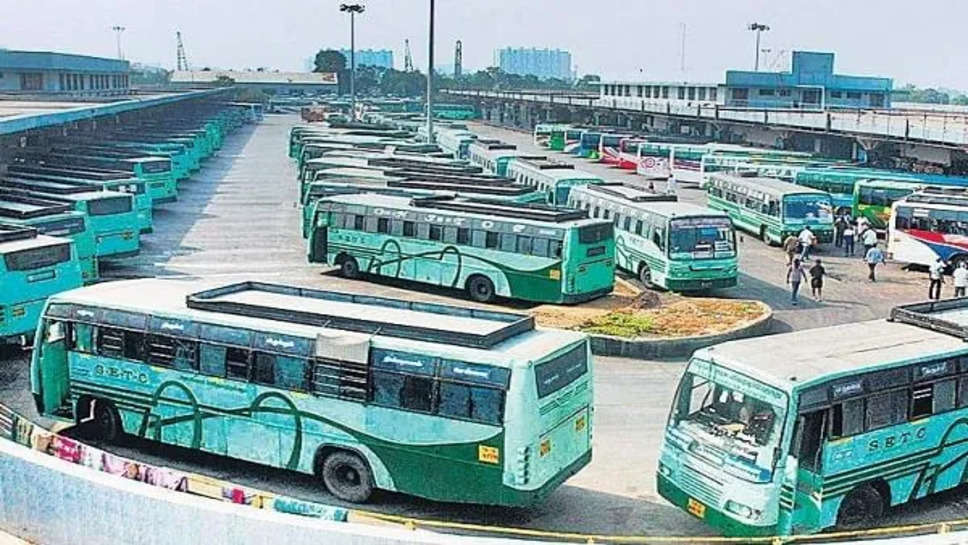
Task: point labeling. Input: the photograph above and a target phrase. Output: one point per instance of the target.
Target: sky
(912, 42)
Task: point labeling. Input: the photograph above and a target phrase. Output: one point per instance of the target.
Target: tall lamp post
(118, 30)
(757, 28)
(430, 78)
(352, 9)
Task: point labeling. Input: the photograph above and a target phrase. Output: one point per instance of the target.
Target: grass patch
(621, 323)
(685, 318)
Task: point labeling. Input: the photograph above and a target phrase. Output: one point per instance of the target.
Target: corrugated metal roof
(287, 78)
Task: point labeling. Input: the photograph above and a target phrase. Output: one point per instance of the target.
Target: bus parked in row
(795, 433)
(32, 268)
(770, 208)
(541, 135)
(489, 249)
(554, 179)
(54, 219)
(455, 141)
(664, 243)
(110, 214)
(442, 402)
(929, 224)
(873, 199)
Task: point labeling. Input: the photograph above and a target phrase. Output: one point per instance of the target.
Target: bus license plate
(696, 508)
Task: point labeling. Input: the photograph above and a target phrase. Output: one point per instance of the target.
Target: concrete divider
(677, 347)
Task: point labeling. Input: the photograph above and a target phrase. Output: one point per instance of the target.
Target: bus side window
(212, 360)
(886, 409)
(477, 238)
(436, 232)
(638, 227)
(658, 237)
(491, 240)
(463, 235)
(848, 418)
(292, 373)
(182, 354)
(541, 247)
(56, 331)
(120, 343)
(508, 242)
(403, 391)
(554, 249)
(423, 231)
(264, 368)
(628, 223)
(383, 225)
(471, 402)
(409, 229)
(357, 221)
(810, 435)
(396, 228)
(596, 212)
(237, 363)
(371, 224)
(337, 220)
(450, 235)
(524, 244)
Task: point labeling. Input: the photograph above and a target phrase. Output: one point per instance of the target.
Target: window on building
(638, 90)
(31, 82)
(665, 91)
(853, 95)
(836, 94)
(712, 94)
(784, 92)
(681, 93)
(741, 93)
(766, 92)
(692, 93)
(702, 93)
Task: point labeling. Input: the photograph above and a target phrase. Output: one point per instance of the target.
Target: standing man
(807, 239)
(795, 274)
(849, 239)
(817, 273)
(869, 237)
(839, 226)
(960, 276)
(873, 257)
(936, 278)
(790, 246)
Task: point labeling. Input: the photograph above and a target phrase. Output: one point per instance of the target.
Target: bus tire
(348, 477)
(349, 268)
(480, 289)
(764, 236)
(861, 508)
(106, 424)
(645, 276)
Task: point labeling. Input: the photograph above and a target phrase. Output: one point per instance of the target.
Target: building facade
(543, 63)
(381, 58)
(280, 83)
(665, 91)
(811, 84)
(45, 72)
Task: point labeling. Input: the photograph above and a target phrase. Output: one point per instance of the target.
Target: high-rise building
(382, 58)
(544, 63)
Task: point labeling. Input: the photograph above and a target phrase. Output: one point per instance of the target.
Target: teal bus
(554, 179)
(155, 172)
(494, 156)
(770, 208)
(487, 248)
(54, 219)
(442, 402)
(109, 180)
(665, 244)
(502, 192)
(32, 268)
(182, 162)
(177, 144)
(799, 432)
(110, 214)
(454, 111)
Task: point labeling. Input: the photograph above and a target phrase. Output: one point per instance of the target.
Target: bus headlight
(742, 510)
(665, 470)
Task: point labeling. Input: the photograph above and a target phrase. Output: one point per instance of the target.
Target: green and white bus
(110, 214)
(554, 179)
(666, 244)
(54, 219)
(441, 402)
(803, 431)
(494, 156)
(873, 199)
(541, 136)
(486, 247)
(109, 180)
(32, 268)
(770, 208)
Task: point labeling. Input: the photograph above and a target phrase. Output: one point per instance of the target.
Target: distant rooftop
(810, 68)
(244, 76)
(11, 59)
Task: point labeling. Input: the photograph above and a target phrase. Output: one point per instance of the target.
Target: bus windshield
(807, 207)
(732, 422)
(701, 238)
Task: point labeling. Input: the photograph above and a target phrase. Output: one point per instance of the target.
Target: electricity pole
(352, 9)
(118, 30)
(757, 28)
(430, 78)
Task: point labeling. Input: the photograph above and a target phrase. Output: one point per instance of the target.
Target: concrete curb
(676, 347)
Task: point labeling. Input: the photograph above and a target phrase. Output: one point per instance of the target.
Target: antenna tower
(458, 61)
(407, 57)
(181, 61)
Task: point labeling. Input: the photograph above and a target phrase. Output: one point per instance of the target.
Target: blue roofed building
(46, 72)
(810, 84)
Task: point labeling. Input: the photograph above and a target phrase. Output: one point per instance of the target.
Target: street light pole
(352, 9)
(757, 27)
(118, 30)
(430, 78)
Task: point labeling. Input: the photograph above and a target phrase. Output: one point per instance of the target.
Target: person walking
(817, 273)
(795, 274)
(960, 276)
(839, 226)
(873, 258)
(849, 239)
(807, 240)
(936, 278)
(869, 236)
(791, 245)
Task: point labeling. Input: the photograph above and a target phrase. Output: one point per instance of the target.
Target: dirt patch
(646, 315)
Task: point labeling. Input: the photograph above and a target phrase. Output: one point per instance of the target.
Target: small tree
(329, 60)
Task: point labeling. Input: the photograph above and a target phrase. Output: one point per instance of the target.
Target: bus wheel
(645, 276)
(480, 289)
(349, 268)
(348, 477)
(106, 424)
(861, 508)
(763, 236)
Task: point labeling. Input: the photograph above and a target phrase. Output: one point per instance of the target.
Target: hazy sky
(921, 42)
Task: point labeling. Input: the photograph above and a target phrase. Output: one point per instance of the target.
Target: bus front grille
(700, 486)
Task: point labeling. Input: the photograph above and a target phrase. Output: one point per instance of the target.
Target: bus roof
(482, 209)
(24, 238)
(769, 185)
(18, 206)
(791, 359)
(504, 337)
(663, 205)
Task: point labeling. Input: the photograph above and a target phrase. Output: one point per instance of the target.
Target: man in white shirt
(960, 276)
(806, 242)
(935, 274)
(870, 238)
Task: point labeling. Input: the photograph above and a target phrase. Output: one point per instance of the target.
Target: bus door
(50, 382)
(803, 474)
(319, 238)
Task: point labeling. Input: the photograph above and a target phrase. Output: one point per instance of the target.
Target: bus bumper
(522, 498)
(163, 200)
(698, 284)
(574, 298)
(711, 516)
